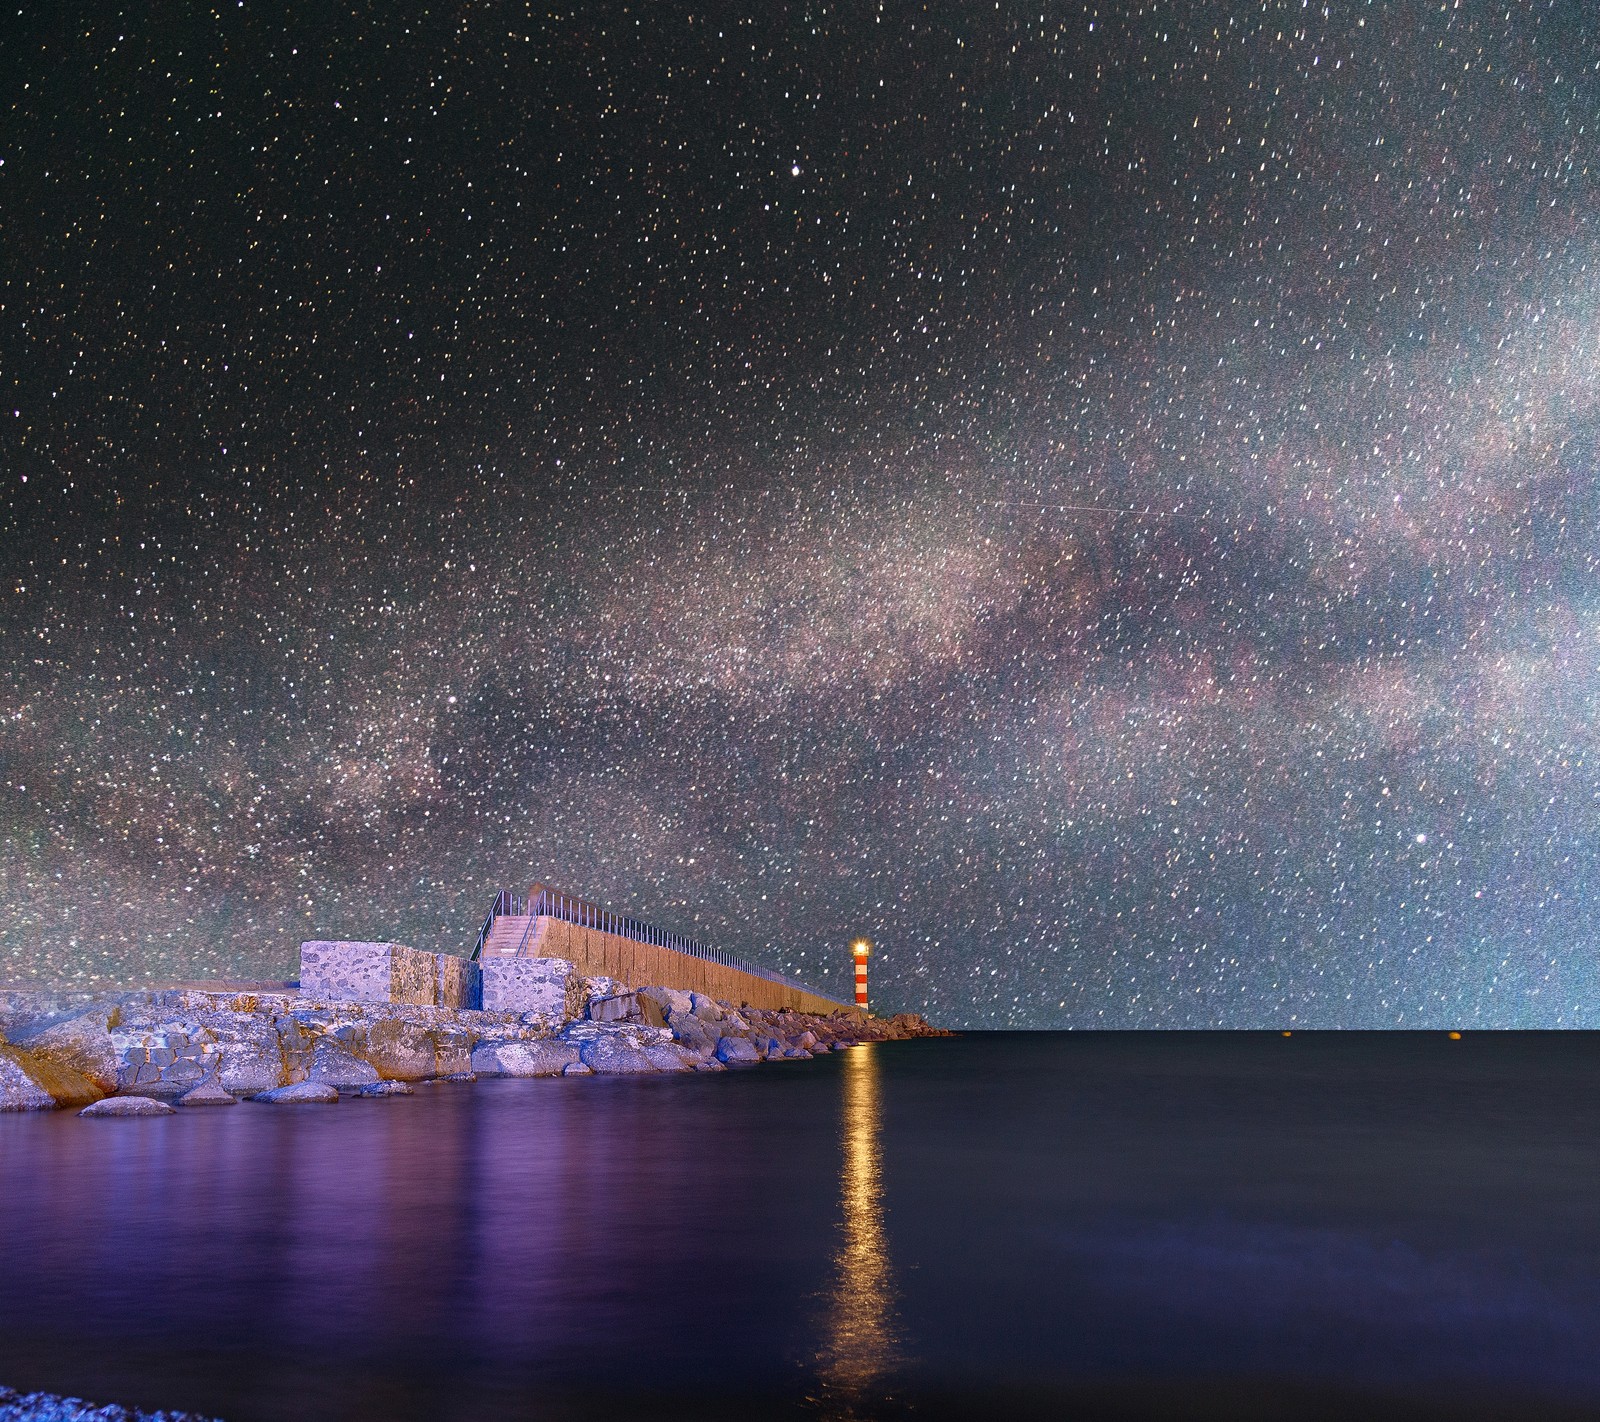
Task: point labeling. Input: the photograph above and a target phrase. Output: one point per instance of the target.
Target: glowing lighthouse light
(861, 947)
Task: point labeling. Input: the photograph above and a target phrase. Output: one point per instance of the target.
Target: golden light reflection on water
(860, 1345)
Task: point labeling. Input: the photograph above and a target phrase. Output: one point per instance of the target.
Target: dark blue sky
(1100, 498)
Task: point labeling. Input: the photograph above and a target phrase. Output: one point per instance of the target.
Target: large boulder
(19, 1091)
(624, 1007)
(671, 1057)
(638, 1007)
(29, 1083)
(613, 1056)
(706, 1008)
(518, 1058)
(81, 1044)
(401, 1051)
(334, 1063)
(694, 1033)
(731, 1050)
(669, 1000)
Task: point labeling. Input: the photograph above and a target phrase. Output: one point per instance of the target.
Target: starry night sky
(1101, 499)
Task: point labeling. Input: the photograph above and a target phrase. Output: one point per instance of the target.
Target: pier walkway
(547, 923)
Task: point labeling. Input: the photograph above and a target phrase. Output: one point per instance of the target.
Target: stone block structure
(348, 971)
(548, 987)
(458, 982)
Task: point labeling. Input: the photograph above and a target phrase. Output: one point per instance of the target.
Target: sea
(1016, 1225)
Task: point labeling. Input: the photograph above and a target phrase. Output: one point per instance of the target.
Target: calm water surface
(1083, 1225)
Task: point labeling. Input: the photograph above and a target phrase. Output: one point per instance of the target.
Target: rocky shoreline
(145, 1051)
(49, 1407)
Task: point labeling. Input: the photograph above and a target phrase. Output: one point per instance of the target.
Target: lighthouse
(860, 948)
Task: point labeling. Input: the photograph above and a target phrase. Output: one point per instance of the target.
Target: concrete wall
(597, 954)
(347, 971)
(457, 982)
(550, 987)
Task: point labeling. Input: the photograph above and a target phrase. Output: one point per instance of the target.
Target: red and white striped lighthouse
(861, 947)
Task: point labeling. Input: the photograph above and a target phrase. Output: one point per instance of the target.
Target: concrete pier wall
(599, 954)
(545, 977)
(346, 971)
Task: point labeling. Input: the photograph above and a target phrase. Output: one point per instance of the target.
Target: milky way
(1100, 499)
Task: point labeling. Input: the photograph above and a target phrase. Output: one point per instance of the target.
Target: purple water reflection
(1220, 1226)
(508, 1238)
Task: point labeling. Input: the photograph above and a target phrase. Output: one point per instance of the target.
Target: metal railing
(543, 902)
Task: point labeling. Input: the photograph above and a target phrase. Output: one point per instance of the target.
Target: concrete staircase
(506, 935)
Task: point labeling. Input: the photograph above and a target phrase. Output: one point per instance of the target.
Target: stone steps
(506, 935)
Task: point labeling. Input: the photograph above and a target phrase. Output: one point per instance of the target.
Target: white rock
(672, 1057)
(302, 1093)
(128, 1106)
(610, 1056)
(207, 1093)
(387, 1088)
(523, 1058)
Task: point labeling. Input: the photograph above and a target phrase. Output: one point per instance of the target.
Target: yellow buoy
(1455, 1036)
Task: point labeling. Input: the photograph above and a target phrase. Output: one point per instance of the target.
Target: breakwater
(198, 1047)
(516, 971)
